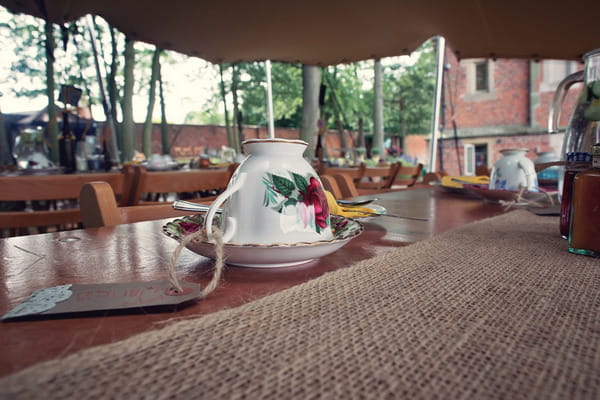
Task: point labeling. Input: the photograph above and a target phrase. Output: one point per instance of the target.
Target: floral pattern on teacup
(302, 196)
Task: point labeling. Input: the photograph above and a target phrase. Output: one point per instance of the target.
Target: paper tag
(103, 296)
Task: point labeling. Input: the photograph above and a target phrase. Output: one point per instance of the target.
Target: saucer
(265, 256)
(495, 196)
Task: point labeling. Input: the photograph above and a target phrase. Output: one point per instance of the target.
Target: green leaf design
(301, 182)
(290, 202)
(270, 196)
(283, 185)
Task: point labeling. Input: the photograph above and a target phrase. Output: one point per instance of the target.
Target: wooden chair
(482, 170)
(408, 175)
(376, 178)
(38, 203)
(200, 184)
(330, 184)
(356, 173)
(433, 177)
(346, 185)
(99, 208)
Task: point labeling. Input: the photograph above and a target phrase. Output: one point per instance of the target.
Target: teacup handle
(216, 204)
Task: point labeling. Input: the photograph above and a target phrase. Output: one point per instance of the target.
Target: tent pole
(271, 127)
(435, 121)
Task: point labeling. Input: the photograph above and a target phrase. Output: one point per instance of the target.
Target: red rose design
(189, 227)
(315, 196)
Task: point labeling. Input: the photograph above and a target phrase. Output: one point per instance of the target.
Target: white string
(219, 261)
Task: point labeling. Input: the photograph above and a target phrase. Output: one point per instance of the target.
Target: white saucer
(268, 256)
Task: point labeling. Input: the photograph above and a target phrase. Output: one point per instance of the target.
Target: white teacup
(514, 171)
(274, 197)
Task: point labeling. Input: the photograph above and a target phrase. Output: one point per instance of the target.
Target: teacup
(274, 197)
(514, 171)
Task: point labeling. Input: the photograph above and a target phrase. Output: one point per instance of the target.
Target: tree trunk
(128, 127)
(111, 83)
(5, 157)
(378, 107)
(147, 131)
(50, 89)
(311, 81)
(109, 132)
(235, 78)
(343, 141)
(224, 97)
(164, 127)
(361, 133)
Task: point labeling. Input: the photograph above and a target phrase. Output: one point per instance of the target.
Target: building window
(481, 77)
(554, 71)
(480, 80)
(481, 155)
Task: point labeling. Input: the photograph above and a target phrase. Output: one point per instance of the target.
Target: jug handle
(528, 176)
(231, 222)
(559, 98)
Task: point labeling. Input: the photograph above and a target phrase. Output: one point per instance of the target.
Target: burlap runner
(495, 309)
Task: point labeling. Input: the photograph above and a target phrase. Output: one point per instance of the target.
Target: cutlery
(355, 202)
(183, 205)
(375, 214)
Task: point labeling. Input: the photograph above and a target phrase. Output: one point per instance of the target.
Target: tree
(5, 157)
(408, 94)
(311, 80)
(164, 129)
(128, 139)
(50, 90)
(147, 130)
(378, 106)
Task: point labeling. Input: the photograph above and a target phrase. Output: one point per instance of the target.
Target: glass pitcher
(583, 130)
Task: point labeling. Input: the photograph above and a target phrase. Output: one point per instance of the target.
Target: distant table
(141, 252)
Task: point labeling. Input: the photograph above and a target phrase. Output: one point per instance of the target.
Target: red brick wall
(509, 106)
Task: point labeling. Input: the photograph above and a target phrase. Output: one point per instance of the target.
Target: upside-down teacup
(274, 197)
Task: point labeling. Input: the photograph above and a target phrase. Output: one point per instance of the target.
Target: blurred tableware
(584, 125)
(523, 197)
(30, 150)
(514, 171)
(275, 196)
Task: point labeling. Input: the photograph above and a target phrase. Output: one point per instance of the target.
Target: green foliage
(287, 93)
(408, 92)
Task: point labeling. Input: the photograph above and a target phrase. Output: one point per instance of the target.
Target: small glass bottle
(584, 237)
(67, 147)
(576, 162)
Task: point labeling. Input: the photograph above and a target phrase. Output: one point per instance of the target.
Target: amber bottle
(576, 162)
(584, 237)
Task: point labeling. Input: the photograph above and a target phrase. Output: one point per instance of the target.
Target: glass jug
(583, 130)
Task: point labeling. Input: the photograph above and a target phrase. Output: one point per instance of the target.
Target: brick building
(499, 104)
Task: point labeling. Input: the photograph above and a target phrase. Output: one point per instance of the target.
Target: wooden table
(140, 252)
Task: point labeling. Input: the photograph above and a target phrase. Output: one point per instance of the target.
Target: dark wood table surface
(141, 252)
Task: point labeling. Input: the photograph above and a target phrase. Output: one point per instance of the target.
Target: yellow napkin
(451, 181)
(346, 211)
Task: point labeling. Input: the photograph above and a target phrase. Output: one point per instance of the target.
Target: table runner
(494, 309)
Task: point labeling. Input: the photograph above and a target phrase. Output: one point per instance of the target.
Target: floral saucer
(265, 256)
